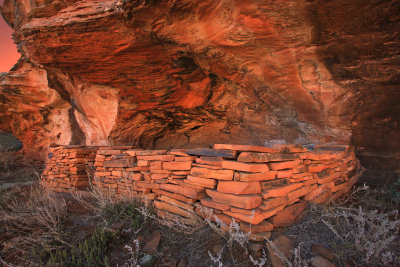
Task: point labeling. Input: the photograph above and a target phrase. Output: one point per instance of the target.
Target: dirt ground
(42, 228)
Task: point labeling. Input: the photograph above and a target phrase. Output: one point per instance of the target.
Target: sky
(8, 50)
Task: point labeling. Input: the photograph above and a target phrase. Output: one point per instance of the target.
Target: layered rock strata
(260, 187)
(165, 74)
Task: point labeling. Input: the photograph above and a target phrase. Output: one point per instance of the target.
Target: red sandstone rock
(243, 211)
(150, 152)
(174, 195)
(255, 177)
(245, 167)
(143, 163)
(255, 217)
(280, 191)
(317, 191)
(174, 209)
(119, 181)
(212, 204)
(260, 237)
(267, 185)
(276, 166)
(339, 187)
(186, 191)
(212, 167)
(301, 191)
(80, 183)
(321, 261)
(291, 148)
(184, 173)
(109, 151)
(177, 203)
(137, 169)
(203, 182)
(216, 174)
(330, 177)
(99, 174)
(230, 83)
(317, 167)
(217, 161)
(160, 181)
(324, 155)
(159, 175)
(243, 201)
(323, 198)
(270, 203)
(212, 152)
(128, 152)
(265, 226)
(157, 157)
(116, 173)
(120, 163)
(171, 217)
(239, 188)
(284, 174)
(265, 157)
(147, 185)
(289, 215)
(246, 148)
(208, 213)
(178, 165)
(156, 165)
(281, 244)
(188, 158)
(153, 242)
(310, 182)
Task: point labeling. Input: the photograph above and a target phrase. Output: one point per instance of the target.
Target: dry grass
(31, 221)
(355, 227)
(14, 168)
(35, 220)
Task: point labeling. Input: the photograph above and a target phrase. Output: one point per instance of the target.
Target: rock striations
(163, 74)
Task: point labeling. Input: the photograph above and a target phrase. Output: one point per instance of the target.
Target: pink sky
(8, 50)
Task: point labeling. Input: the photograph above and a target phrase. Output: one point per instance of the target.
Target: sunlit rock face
(162, 74)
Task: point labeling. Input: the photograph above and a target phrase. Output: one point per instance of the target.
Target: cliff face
(161, 74)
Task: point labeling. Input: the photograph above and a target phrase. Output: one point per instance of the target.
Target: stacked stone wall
(260, 187)
(66, 167)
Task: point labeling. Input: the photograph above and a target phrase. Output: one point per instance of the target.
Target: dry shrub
(106, 207)
(366, 231)
(32, 221)
(13, 167)
(188, 239)
(365, 236)
(358, 228)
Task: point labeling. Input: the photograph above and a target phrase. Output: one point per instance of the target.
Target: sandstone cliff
(163, 73)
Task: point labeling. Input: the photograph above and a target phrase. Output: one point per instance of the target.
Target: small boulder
(289, 215)
(319, 261)
(318, 250)
(283, 245)
(217, 248)
(152, 245)
(147, 260)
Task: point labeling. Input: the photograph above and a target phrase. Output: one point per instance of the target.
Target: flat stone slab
(231, 154)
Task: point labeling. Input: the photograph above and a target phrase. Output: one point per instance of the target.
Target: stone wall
(265, 187)
(67, 166)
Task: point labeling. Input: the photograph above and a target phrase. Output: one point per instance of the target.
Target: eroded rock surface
(162, 74)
